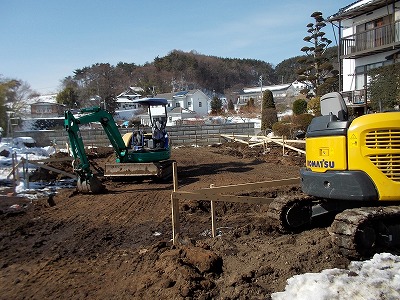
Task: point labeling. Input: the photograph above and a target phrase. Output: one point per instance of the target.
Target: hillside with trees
(175, 72)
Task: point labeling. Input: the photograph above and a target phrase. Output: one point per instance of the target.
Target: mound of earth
(118, 245)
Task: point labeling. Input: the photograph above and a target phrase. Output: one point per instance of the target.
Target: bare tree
(17, 97)
(14, 101)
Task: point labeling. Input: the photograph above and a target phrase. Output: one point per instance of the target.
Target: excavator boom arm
(92, 114)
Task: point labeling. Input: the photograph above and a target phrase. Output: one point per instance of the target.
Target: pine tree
(216, 105)
(269, 114)
(231, 107)
(68, 97)
(299, 106)
(317, 71)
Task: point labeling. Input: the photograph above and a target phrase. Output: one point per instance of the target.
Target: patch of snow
(378, 278)
(358, 4)
(35, 189)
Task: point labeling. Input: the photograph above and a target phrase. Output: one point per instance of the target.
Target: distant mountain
(183, 71)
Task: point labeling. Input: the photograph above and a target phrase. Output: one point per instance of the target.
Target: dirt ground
(118, 245)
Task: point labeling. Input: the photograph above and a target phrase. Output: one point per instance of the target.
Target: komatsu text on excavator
(137, 153)
(352, 171)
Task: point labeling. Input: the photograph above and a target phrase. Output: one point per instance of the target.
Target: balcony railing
(355, 98)
(371, 41)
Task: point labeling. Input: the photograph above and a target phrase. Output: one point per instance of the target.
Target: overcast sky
(43, 41)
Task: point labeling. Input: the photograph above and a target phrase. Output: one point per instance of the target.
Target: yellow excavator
(352, 172)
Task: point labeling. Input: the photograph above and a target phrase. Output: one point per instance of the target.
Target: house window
(362, 71)
(200, 104)
(189, 104)
(177, 104)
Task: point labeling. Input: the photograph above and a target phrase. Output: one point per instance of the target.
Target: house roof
(181, 94)
(393, 55)
(277, 87)
(46, 103)
(151, 101)
(358, 8)
(179, 110)
(136, 89)
(165, 95)
(43, 98)
(131, 92)
(185, 93)
(124, 100)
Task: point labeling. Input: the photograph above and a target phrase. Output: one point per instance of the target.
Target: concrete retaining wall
(179, 135)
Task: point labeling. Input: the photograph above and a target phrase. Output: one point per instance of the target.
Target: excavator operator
(159, 135)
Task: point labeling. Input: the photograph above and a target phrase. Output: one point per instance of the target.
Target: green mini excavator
(137, 154)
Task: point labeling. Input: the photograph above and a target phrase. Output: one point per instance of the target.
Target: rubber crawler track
(278, 208)
(349, 223)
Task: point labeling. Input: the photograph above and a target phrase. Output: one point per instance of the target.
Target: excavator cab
(156, 139)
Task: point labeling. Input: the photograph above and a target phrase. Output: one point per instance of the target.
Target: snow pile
(24, 188)
(18, 147)
(378, 278)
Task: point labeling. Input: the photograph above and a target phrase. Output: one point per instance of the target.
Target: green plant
(268, 113)
(299, 106)
(384, 87)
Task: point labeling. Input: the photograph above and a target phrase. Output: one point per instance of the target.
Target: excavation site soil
(118, 245)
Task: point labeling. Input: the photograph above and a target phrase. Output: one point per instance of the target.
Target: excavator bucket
(92, 185)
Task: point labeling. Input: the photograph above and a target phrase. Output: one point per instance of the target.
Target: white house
(279, 91)
(369, 33)
(124, 100)
(193, 100)
(125, 104)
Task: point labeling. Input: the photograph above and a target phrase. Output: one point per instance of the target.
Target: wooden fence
(221, 193)
(40, 163)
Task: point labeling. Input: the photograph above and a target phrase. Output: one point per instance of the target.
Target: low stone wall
(178, 135)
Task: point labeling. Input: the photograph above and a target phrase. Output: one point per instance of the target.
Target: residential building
(125, 104)
(124, 100)
(279, 91)
(45, 106)
(46, 109)
(193, 100)
(369, 33)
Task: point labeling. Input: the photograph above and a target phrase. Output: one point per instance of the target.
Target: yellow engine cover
(326, 153)
(374, 147)
(127, 138)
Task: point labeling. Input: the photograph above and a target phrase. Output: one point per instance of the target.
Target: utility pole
(9, 125)
(261, 91)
